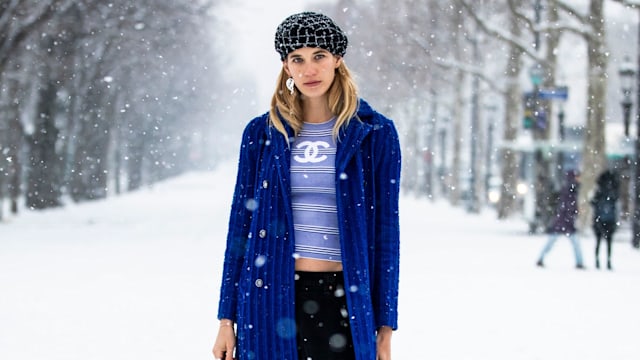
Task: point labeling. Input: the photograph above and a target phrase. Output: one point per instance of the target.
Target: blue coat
(257, 290)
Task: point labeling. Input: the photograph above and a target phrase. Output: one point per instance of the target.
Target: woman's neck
(316, 110)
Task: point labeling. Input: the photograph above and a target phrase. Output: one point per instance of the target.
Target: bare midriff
(305, 264)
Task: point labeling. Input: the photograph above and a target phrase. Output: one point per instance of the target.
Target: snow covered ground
(136, 277)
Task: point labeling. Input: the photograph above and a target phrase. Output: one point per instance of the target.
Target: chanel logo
(311, 151)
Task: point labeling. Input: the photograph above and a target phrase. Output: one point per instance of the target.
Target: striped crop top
(313, 193)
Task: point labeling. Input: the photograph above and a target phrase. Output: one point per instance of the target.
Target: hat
(309, 29)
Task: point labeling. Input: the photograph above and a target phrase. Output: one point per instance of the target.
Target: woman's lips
(312, 83)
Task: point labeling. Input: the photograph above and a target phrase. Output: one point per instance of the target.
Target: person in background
(605, 213)
(312, 257)
(563, 221)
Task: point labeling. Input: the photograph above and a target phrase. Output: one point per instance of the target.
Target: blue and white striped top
(313, 192)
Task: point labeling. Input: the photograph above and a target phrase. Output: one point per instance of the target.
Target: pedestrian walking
(564, 218)
(605, 212)
(312, 257)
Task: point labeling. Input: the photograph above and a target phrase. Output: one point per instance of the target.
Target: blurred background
(494, 100)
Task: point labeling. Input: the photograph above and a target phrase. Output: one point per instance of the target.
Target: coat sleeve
(387, 235)
(239, 222)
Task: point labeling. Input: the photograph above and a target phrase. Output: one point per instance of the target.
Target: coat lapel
(282, 155)
(350, 141)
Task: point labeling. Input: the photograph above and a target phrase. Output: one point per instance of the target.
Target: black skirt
(322, 320)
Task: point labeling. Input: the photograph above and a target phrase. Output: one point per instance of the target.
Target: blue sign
(561, 93)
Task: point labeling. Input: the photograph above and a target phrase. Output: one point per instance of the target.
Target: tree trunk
(90, 175)
(545, 174)
(509, 172)
(135, 160)
(43, 177)
(16, 145)
(458, 104)
(593, 152)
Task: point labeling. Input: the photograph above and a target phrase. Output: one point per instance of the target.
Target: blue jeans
(574, 242)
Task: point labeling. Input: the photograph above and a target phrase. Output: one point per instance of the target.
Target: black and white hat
(309, 29)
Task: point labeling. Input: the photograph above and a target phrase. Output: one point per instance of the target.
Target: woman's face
(312, 70)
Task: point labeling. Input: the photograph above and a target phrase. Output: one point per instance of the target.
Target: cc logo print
(311, 152)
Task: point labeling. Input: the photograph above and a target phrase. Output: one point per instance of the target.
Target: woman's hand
(225, 341)
(383, 343)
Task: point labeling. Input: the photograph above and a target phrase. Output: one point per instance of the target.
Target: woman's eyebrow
(319, 51)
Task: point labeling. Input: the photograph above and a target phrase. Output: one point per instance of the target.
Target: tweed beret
(309, 29)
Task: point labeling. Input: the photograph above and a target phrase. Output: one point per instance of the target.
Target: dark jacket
(605, 198)
(259, 295)
(566, 212)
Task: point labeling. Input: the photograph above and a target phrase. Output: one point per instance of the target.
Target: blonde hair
(342, 98)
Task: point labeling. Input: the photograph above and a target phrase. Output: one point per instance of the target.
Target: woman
(311, 265)
(605, 213)
(564, 220)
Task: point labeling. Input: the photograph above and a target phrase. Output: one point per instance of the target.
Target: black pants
(604, 229)
(322, 320)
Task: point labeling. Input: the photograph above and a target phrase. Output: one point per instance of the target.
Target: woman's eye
(320, 56)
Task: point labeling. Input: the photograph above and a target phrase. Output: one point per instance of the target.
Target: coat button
(262, 233)
(265, 184)
(259, 283)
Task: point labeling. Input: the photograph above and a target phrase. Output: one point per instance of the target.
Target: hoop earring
(290, 85)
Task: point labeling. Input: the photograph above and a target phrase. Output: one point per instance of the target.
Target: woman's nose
(310, 70)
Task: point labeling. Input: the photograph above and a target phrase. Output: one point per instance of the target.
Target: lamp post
(636, 211)
(562, 134)
(443, 160)
(626, 73)
(492, 108)
(473, 205)
(536, 74)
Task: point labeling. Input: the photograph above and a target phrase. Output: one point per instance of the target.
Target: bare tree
(405, 79)
(591, 27)
(509, 157)
(20, 19)
(97, 94)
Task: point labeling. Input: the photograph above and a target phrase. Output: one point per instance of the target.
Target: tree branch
(454, 64)
(586, 32)
(630, 3)
(472, 70)
(6, 12)
(46, 13)
(569, 10)
(513, 8)
(502, 35)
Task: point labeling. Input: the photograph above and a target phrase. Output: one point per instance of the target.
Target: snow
(136, 277)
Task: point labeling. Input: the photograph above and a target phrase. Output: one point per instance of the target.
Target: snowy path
(136, 278)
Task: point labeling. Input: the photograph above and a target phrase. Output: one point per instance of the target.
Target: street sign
(561, 92)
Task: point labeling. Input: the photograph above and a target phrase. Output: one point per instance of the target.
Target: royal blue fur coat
(257, 290)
